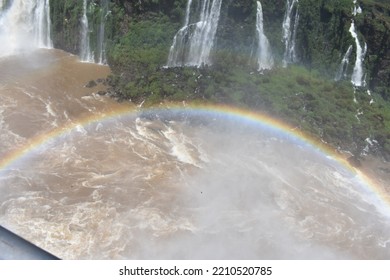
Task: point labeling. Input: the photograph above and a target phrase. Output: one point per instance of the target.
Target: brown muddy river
(85, 182)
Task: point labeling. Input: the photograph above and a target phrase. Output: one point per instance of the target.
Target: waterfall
(358, 71)
(85, 51)
(342, 73)
(2, 3)
(356, 9)
(42, 18)
(264, 55)
(357, 78)
(188, 11)
(290, 25)
(101, 46)
(193, 43)
(24, 26)
(95, 29)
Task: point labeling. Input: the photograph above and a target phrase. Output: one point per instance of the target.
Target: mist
(170, 184)
(258, 194)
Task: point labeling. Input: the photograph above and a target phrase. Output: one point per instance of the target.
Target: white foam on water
(124, 187)
(49, 109)
(181, 147)
(80, 129)
(141, 127)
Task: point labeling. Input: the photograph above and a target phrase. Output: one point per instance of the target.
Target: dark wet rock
(91, 84)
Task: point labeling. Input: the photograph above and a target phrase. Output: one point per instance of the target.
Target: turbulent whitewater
(170, 184)
(85, 177)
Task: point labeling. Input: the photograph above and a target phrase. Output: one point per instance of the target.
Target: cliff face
(322, 36)
(65, 18)
(375, 27)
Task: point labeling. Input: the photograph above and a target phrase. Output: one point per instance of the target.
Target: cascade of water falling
(290, 25)
(356, 9)
(358, 71)
(101, 46)
(342, 73)
(42, 19)
(357, 78)
(193, 43)
(264, 56)
(85, 51)
(188, 12)
(24, 25)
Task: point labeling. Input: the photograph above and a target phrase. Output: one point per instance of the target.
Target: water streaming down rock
(358, 71)
(290, 24)
(178, 49)
(42, 18)
(101, 38)
(342, 72)
(357, 78)
(86, 54)
(264, 56)
(356, 9)
(193, 43)
(25, 25)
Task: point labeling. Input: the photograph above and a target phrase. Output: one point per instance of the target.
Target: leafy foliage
(305, 95)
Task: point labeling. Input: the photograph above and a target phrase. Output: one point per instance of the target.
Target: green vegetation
(140, 34)
(305, 99)
(146, 46)
(65, 23)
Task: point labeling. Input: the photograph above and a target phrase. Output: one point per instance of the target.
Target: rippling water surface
(167, 184)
